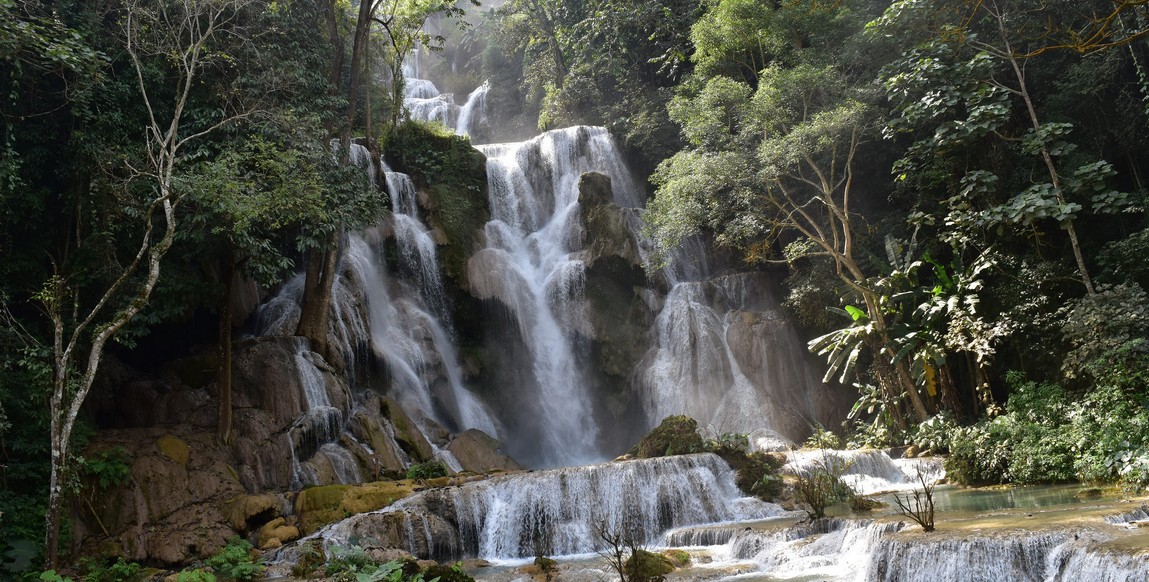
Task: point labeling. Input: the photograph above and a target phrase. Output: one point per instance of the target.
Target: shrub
(728, 444)
(347, 561)
(118, 571)
(234, 561)
(1035, 419)
(196, 575)
(757, 475)
(978, 455)
(920, 507)
(822, 439)
(428, 470)
(821, 486)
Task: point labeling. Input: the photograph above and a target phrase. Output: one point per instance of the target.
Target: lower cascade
(559, 511)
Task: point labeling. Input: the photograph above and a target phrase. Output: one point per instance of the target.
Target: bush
(118, 571)
(428, 470)
(1035, 419)
(347, 561)
(1044, 437)
(821, 486)
(822, 439)
(728, 444)
(196, 575)
(234, 561)
(979, 454)
(757, 474)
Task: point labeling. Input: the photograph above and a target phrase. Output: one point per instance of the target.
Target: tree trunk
(317, 292)
(223, 381)
(1054, 177)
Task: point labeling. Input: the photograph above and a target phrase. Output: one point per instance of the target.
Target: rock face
(171, 510)
(479, 452)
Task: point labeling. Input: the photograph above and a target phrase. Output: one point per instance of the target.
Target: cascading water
(415, 348)
(867, 471)
(557, 512)
(726, 356)
(530, 265)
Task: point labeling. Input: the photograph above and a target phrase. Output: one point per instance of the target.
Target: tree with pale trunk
(183, 33)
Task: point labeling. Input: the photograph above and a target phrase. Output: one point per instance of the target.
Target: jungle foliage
(956, 190)
(151, 153)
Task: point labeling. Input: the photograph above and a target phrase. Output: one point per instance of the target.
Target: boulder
(407, 433)
(319, 506)
(479, 452)
(675, 435)
(275, 533)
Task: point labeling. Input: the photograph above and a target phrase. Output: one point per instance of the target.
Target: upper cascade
(531, 265)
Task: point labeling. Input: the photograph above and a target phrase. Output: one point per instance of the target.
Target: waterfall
(530, 265)
(868, 471)
(474, 111)
(828, 548)
(556, 512)
(415, 348)
(725, 355)
(1016, 555)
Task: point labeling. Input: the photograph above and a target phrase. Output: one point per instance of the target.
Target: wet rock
(319, 506)
(479, 452)
(407, 433)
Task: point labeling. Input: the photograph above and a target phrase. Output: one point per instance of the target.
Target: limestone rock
(248, 512)
(675, 435)
(479, 452)
(319, 506)
(275, 533)
(608, 229)
(393, 528)
(169, 513)
(407, 432)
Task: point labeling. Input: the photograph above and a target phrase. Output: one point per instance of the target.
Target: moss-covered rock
(319, 506)
(757, 473)
(406, 433)
(643, 565)
(174, 448)
(679, 558)
(247, 512)
(675, 435)
(479, 452)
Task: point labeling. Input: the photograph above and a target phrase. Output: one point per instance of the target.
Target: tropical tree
(186, 34)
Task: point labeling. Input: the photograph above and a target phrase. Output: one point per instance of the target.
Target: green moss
(319, 506)
(757, 473)
(454, 175)
(643, 565)
(680, 558)
(675, 435)
(546, 564)
(175, 449)
(324, 497)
